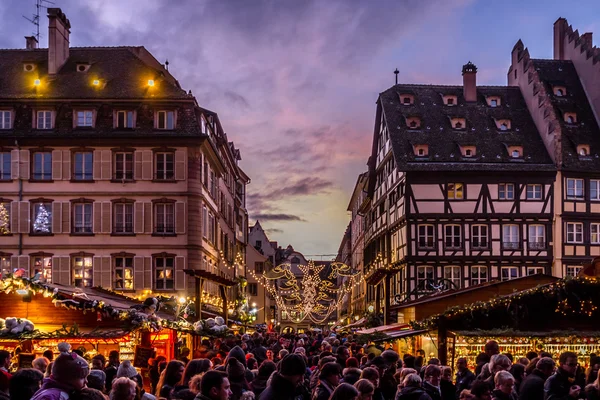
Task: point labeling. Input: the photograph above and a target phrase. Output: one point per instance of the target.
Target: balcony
(510, 245)
(537, 245)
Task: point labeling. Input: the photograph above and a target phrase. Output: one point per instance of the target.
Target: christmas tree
(4, 220)
(42, 220)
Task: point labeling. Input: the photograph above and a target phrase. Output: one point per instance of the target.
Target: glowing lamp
(22, 292)
(253, 304)
(37, 82)
(356, 317)
(150, 82)
(182, 300)
(95, 82)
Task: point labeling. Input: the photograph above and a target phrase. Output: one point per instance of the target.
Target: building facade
(111, 173)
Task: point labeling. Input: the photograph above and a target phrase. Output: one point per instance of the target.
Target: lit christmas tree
(42, 220)
(4, 220)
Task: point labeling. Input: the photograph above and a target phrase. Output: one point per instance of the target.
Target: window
(595, 233)
(413, 124)
(508, 273)
(574, 188)
(573, 270)
(82, 213)
(125, 119)
(85, 118)
(506, 191)
(42, 166)
(42, 268)
(124, 273)
(406, 101)
(537, 237)
(515, 154)
(44, 120)
(510, 237)
(421, 152)
(450, 101)
(479, 236)
(204, 222)
(253, 289)
(493, 103)
(468, 153)
(5, 119)
(570, 119)
(166, 120)
(42, 218)
(165, 166)
(455, 191)
(123, 218)
(424, 277)
(212, 228)
(5, 266)
(479, 274)
(5, 165)
(535, 270)
(452, 237)
(583, 151)
(534, 192)
(574, 232)
(258, 244)
(458, 125)
(83, 166)
(452, 273)
(163, 267)
(259, 267)
(4, 218)
(426, 236)
(164, 215)
(595, 190)
(559, 92)
(124, 166)
(504, 126)
(82, 271)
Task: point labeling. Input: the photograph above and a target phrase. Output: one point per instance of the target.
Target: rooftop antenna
(35, 19)
(396, 72)
(167, 64)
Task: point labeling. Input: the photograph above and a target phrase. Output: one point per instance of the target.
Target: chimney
(31, 42)
(58, 39)
(469, 72)
(560, 31)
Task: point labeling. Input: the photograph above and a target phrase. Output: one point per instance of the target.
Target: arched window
(583, 151)
(421, 152)
(559, 93)
(468, 153)
(570, 120)
(516, 154)
(413, 124)
(458, 125)
(503, 126)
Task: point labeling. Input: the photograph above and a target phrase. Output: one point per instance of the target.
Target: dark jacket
(557, 386)
(322, 391)
(111, 373)
(259, 384)
(412, 393)
(4, 396)
(448, 390)
(533, 386)
(432, 391)
(351, 375)
(282, 389)
(238, 353)
(592, 392)
(500, 395)
(464, 380)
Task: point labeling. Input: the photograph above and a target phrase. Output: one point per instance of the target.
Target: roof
(481, 130)
(122, 71)
(585, 131)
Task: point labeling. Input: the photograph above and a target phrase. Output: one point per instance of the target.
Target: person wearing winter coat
(411, 389)
(559, 386)
(69, 373)
(351, 375)
(464, 376)
(285, 383)
(329, 379)
(239, 354)
(504, 387)
(532, 387)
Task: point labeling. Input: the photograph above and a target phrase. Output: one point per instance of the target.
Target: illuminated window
(5, 119)
(163, 268)
(124, 273)
(123, 218)
(455, 191)
(559, 92)
(5, 222)
(5, 266)
(42, 218)
(82, 271)
(165, 120)
(42, 268)
(44, 120)
(85, 118)
(595, 233)
(503, 126)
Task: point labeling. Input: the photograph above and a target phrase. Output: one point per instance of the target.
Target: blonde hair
(123, 389)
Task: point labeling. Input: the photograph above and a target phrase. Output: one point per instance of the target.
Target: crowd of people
(301, 367)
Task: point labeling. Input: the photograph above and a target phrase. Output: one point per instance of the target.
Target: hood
(351, 371)
(411, 390)
(238, 354)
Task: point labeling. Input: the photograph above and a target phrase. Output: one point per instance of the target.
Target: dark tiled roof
(481, 131)
(585, 131)
(123, 71)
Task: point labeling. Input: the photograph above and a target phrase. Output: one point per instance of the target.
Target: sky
(295, 81)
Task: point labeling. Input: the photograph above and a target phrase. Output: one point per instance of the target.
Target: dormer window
(570, 118)
(503, 124)
(583, 150)
(413, 122)
(503, 127)
(421, 150)
(515, 154)
(559, 91)
(450, 100)
(458, 123)
(82, 67)
(515, 151)
(29, 67)
(468, 151)
(493, 101)
(407, 99)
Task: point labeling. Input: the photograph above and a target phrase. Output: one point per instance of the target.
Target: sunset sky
(295, 82)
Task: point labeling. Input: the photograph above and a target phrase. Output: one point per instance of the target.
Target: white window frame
(453, 236)
(480, 235)
(535, 270)
(595, 233)
(510, 237)
(506, 191)
(167, 279)
(428, 272)
(534, 191)
(121, 162)
(574, 232)
(493, 103)
(162, 159)
(513, 273)
(165, 115)
(84, 213)
(455, 191)
(164, 217)
(82, 271)
(123, 269)
(573, 270)
(43, 263)
(476, 274)
(427, 234)
(84, 119)
(452, 273)
(6, 119)
(595, 189)
(124, 213)
(43, 119)
(536, 237)
(575, 189)
(128, 119)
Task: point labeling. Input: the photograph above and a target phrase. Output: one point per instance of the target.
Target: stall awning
(384, 329)
(406, 333)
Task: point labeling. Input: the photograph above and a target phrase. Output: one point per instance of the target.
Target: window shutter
(97, 270)
(14, 164)
(180, 165)
(97, 173)
(14, 262)
(179, 273)
(180, 217)
(66, 217)
(24, 164)
(106, 217)
(56, 219)
(137, 158)
(14, 217)
(106, 281)
(66, 166)
(24, 265)
(106, 164)
(57, 156)
(138, 273)
(64, 276)
(97, 217)
(55, 269)
(24, 217)
(148, 217)
(138, 211)
(147, 165)
(147, 272)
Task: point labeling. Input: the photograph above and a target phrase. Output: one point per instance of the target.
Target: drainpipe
(20, 195)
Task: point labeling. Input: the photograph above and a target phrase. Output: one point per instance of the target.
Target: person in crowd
(365, 389)
(531, 366)
(592, 372)
(504, 386)
(447, 388)
(259, 351)
(342, 354)
(491, 349)
(193, 368)
(498, 362)
(465, 395)
(531, 355)
(285, 383)
(523, 361)
(184, 355)
(259, 384)
(89, 394)
(126, 370)
(314, 378)
(111, 368)
(270, 355)
(24, 383)
(238, 353)
(344, 391)
(372, 375)
(329, 379)
(123, 389)
(532, 387)
(5, 363)
(49, 354)
(41, 364)
(480, 390)
(155, 371)
(214, 386)
(351, 374)
(282, 353)
(69, 374)
(412, 389)
(98, 362)
(561, 384)
(236, 373)
(464, 376)
(432, 380)
(97, 380)
(4, 387)
(518, 372)
(169, 379)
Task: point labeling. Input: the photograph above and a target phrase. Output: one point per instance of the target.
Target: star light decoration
(309, 296)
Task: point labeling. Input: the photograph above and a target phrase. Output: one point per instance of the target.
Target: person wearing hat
(69, 375)
(97, 380)
(286, 382)
(126, 370)
(329, 379)
(237, 377)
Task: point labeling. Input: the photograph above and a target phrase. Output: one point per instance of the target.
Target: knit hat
(390, 357)
(96, 378)
(126, 370)
(67, 367)
(300, 350)
(235, 369)
(329, 369)
(293, 365)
